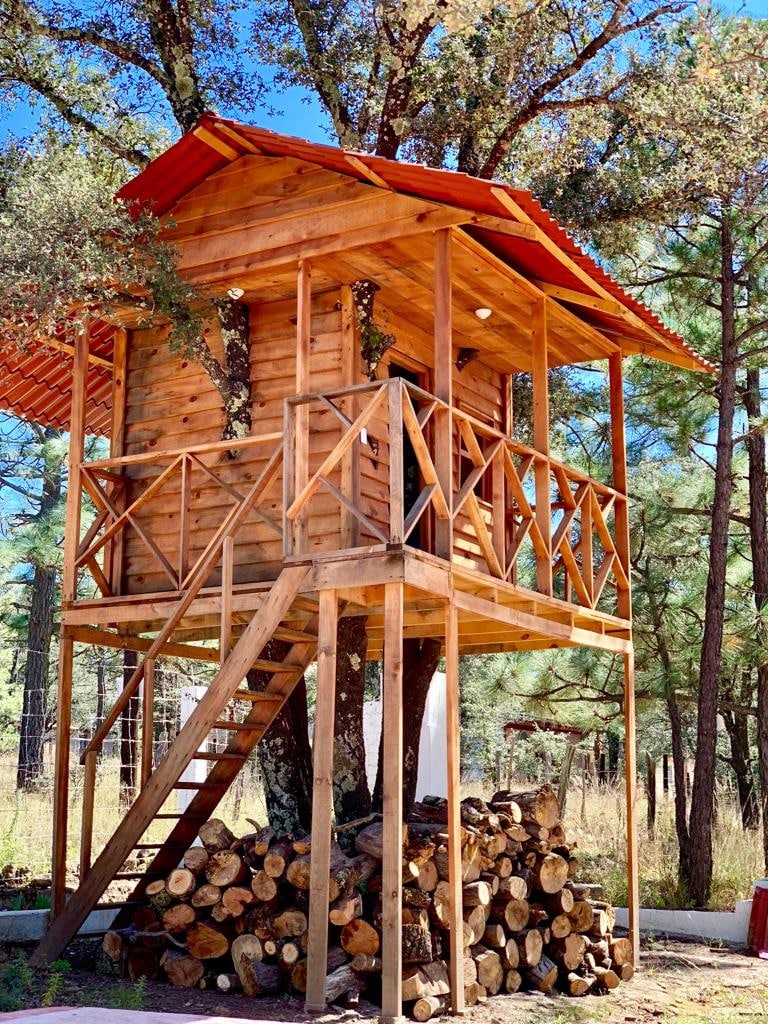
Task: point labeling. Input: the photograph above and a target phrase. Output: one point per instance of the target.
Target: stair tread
(218, 755)
(194, 785)
(258, 698)
(235, 726)
(261, 665)
(294, 636)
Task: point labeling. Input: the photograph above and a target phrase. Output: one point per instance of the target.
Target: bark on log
(215, 836)
(543, 975)
(225, 868)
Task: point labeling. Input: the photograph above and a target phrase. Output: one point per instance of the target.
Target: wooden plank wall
(171, 403)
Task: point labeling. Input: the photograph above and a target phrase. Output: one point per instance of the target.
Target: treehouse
(385, 473)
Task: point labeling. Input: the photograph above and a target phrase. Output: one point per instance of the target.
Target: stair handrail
(230, 524)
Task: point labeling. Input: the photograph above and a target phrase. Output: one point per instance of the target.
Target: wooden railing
(502, 497)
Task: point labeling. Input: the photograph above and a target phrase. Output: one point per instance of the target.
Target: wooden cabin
(410, 498)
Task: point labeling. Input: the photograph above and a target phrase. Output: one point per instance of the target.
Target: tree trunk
(351, 795)
(285, 757)
(33, 715)
(129, 722)
(420, 661)
(758, 538)
(699, 871)
(737, 726)
(650, 788)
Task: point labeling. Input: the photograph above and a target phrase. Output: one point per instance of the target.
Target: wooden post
(66, 646)
(444, 387)
(227, 579)
(350, 373)
(301, 412)
(113, 562)
(540, 384)
(456, 923)
(396, 478)
(630, 772)
(147, 721)
(322, 804)
(89, 794)
(186, 473)
(392, 846)
(619, 459)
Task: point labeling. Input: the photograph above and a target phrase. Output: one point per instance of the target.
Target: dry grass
(602, 850)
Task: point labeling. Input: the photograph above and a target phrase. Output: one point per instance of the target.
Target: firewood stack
(234, 914)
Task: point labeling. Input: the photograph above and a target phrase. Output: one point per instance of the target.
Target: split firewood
(577, 984)
(289, 924)
(206, 895)
(335, 959)
(225, 867)
(490, 972)
(179, 918)
(195, 859)
(359, 937)
(207, 941)
(182, 970)
(279, 856)
(215, 836)
(542, 975)
(416, 944)
(620, 951)
(427, 980)
(263, 886)
(345, 908)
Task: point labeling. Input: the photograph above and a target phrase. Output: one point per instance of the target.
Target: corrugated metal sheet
(35, 382)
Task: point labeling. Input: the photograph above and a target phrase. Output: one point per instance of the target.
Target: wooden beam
(322, 804)
(443, 373)
(351, 372)
(147, 722)
(540, 382)
(630, 770)
(66, 646)
(62, 346)
(619, 478)
(117, 641)
(576, 298)
(392, 869)
(227, 580)
(455, 920)
(303, 342)
(221, 147)
(365, 170)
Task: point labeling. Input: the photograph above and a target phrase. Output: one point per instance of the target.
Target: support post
(301, 412)
(443, 418)
(113, 561)
(392, 845)
(453, 774)
(540, 384)
(148, 721)
(322, 804)
(396, 478)
(630, 772)
(619, 459)
(350, 463)
(66, 646)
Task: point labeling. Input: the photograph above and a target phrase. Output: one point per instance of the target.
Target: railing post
(540, 382)
(395, 398)
(289, 478)
(184, 520)
(301, 446)
(89, 795)
(619, 459)
(444, 387)
(227, 580)
(350, 464)
(113, 556)
(147, 721)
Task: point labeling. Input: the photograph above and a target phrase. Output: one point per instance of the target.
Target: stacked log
(234, 914)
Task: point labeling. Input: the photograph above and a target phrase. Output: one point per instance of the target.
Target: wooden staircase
(210, 715)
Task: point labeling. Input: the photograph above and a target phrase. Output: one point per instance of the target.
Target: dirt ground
(678, 981)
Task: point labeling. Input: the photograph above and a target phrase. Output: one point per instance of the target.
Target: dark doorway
(411, 473)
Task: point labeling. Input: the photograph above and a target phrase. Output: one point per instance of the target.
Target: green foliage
(129, 997)
(57, 974)
(16, 982)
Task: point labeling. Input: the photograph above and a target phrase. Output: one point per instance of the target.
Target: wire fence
(27, 730)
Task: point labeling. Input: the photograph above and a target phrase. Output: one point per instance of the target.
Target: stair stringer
(257, 633)
(222, 775)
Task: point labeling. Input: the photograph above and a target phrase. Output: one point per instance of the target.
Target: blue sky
(298, 111)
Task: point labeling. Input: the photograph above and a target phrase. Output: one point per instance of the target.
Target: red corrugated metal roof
(192, 159)
(35, 382)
